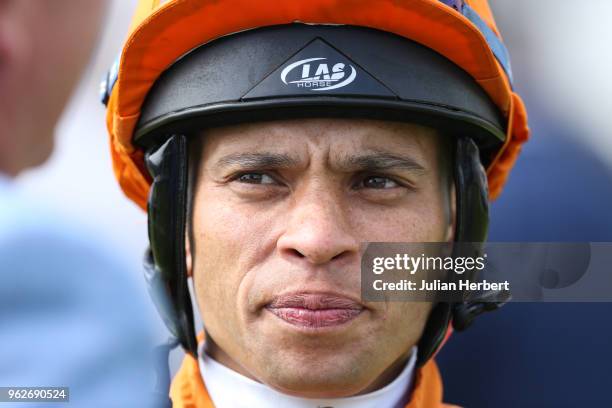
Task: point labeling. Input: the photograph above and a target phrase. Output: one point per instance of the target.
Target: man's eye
(256, 178)
(378, 182)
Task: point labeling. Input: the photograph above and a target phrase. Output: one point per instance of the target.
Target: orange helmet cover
(160, 34)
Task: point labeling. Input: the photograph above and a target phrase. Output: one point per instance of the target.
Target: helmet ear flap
(472, 228)
(472, 222)
(165, 267)
(472, 193)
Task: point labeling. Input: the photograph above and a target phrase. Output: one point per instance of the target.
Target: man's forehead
(335, 137)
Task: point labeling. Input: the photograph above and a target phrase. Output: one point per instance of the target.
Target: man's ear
(188, 258)
(450, 231)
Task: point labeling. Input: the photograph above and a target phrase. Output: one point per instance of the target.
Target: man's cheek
(211, 276)
(218, 311)
(407, 318)
(220, 262)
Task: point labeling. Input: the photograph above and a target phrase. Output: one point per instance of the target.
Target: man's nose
(318, 231)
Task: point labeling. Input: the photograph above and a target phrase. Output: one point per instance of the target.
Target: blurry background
(526, 355)
(553, 354)
(78, 178)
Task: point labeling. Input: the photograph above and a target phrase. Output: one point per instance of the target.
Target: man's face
(279, 215)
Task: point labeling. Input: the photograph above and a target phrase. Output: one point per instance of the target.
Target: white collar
(227, 388)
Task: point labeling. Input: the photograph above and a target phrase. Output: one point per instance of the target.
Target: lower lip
(314, 319)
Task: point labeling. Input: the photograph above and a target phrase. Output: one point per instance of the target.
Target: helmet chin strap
(472, 227)
(472, 222)
(164, 261)
(165, 266)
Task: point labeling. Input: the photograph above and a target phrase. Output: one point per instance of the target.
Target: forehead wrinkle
(379, 160)
(257, 160)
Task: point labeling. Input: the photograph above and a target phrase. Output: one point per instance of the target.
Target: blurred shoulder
(74, 312)
(43, 248)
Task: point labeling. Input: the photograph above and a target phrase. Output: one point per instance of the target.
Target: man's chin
(315, 363)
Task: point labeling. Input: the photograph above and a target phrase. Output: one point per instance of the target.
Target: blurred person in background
(70, 316)
(552, 354)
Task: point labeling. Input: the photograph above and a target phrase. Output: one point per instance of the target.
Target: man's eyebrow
(381, 161)
(257, 160)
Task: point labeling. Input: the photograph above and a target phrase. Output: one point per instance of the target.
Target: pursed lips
(314, 310)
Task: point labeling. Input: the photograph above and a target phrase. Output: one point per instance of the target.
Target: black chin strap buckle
(465, 313)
